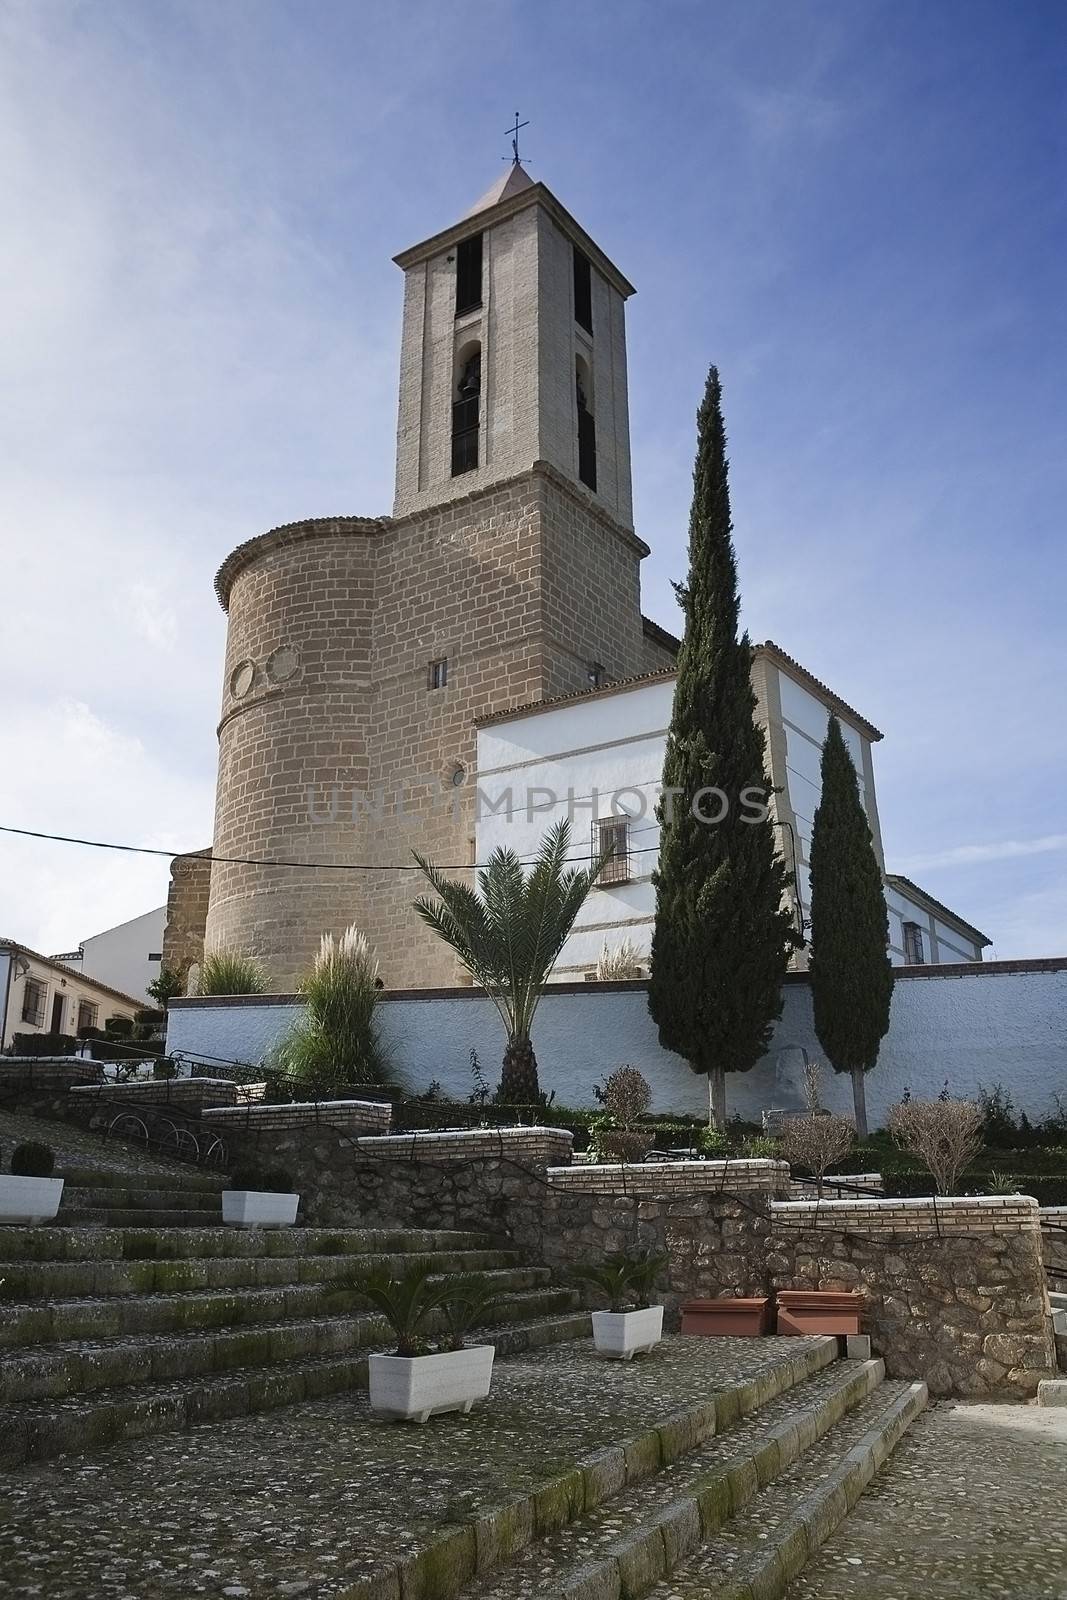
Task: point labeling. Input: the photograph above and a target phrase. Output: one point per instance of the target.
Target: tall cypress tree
(851, 974)
(723, 932)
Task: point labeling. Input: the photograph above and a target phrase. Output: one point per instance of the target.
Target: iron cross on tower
(516, 161)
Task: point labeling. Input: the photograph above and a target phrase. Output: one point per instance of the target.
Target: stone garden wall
(955, 1290)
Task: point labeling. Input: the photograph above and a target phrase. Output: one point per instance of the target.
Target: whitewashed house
(597, 757)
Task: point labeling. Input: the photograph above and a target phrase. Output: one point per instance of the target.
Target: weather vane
(515, 158)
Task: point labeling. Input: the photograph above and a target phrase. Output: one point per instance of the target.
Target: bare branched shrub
(945, 1134)
(619, 961)
(817, 1139)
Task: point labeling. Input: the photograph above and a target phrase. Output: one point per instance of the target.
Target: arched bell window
(583, 387)
(466, 406)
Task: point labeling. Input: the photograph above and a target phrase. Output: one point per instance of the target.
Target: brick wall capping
(539, 1145)
(1000, 1213)
(672, 1177)
(365, 1114)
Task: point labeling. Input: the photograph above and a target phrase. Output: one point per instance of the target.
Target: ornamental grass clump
(338, 1041)
(616, 963)
(231, 972)
(945, 1134)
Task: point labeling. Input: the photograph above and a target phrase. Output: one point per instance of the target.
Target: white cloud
(967, 855)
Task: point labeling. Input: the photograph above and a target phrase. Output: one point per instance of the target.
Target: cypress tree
(851, 974)
(723, 931)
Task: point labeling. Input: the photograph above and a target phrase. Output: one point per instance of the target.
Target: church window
(583, 291)
(466, 405)
(438, 673)
(583, 386)
(594, 673)
(914, 954)
(469, 274)
(612, 834)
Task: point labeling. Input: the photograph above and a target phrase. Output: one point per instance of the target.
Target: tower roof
(514, 181)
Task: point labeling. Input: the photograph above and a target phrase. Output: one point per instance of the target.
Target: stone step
(190, 1179)
(82, 1366)
(141, 1197)
(40, 1323)
(649, 1527)
(36, 1430)
(148, 1244)
(114, 1217)
(756, 1547)
(29, 1281)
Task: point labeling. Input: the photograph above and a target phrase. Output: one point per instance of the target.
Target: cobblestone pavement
(972, 1505)
(308, 1499)
(77, 1147)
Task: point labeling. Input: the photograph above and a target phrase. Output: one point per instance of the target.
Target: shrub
(43, 1044)
(119, 1027)
(32, 1160)
(817, 1139)
(945, 1134)
(267, 1180)
(231, 972)
(761, 1147)
(713, 1143)
(625, 1097)
(619, 962)
(999, 1126)
(166, 986)
(338, 1041)
(623, 1280)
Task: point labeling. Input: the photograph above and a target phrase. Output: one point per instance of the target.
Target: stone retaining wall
(537, 1147)
(47, 1072)
(970, 1214)
(359, 1116)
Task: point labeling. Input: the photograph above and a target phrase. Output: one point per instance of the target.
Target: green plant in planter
(713, 1143)
(624, 1280)
(465, 1304)
(406, 1302)
(265, 1180)
(32, 1160)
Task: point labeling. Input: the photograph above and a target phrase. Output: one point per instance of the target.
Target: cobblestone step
(757, 1547)
(148, 1217)
(144, 1243)
(109, 1197)
(648, 1528)
(29, 1281)
(83, 1366)
(37, 1323)
(36, 1430)
(189, 1179)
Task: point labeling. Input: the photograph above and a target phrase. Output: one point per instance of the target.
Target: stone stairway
(116, 1332)
(186, 1198)
(738, 1516)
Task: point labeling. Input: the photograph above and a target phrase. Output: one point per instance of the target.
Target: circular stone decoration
(459, 776)
(242, 678)
(283, 664)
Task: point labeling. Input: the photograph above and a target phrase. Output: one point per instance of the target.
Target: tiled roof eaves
(776, 653)
(898, 879)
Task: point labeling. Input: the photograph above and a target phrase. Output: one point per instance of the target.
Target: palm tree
(508, 936)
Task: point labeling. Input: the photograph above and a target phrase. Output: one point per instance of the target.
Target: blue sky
(856, 209)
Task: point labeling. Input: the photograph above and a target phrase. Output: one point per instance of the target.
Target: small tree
(626, 1097)
(945, 1134)
(232, 972)
(508, 935)
(851, 974)
(816, 1139)
(724, 930)
(167, 985)
(338, 1041)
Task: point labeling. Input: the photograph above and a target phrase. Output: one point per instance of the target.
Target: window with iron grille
(612, 834)
(87, 1014)
(438, 673)
(914, 953)
(583, 291)
(469, 274)
(33, 999)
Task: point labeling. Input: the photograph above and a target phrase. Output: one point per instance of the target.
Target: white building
(598, 758)
(39, 994)
(126, 957)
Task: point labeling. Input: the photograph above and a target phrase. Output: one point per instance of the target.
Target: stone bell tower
(361, 651)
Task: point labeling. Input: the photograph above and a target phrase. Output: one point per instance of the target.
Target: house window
(466, 404)
(469, 275)
(612, 834)
(583, 291)
(87, 1014)
(914, 955)
(583, 390)
(33, 999)
(155, 955)
(438, 673)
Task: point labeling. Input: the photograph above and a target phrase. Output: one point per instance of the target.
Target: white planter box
(255, 1208)
(421, 1386)
(29, 1199)
(624, 1334)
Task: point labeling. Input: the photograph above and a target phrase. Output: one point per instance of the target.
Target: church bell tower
(513, 352)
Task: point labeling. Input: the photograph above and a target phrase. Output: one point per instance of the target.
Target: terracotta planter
(819, 1311)
(743, 1318)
